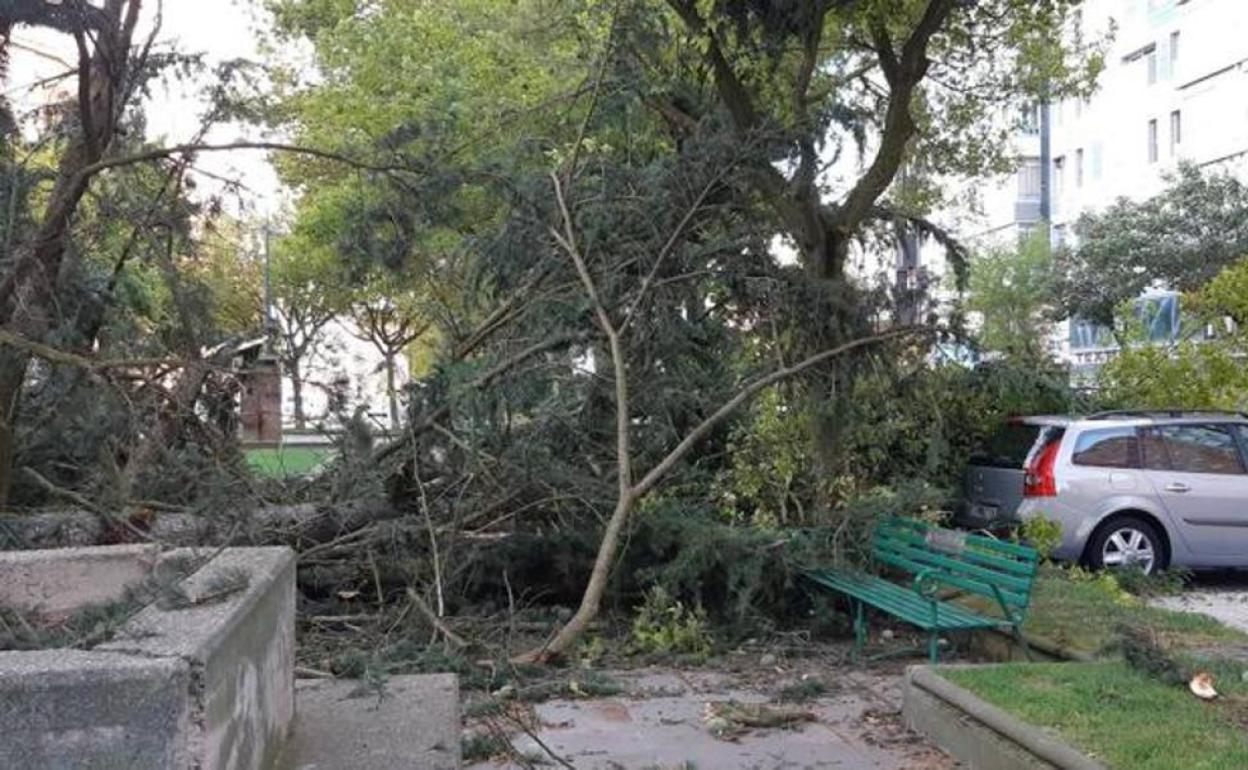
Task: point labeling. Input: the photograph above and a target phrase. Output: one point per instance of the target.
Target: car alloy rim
(1128, 547)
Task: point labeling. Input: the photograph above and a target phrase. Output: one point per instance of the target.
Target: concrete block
(241, 651)
(412, 724)
(208, 687)
(57, 582)
(75, 709)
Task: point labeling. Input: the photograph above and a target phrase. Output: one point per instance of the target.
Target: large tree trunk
(27, 293)
(296, 525)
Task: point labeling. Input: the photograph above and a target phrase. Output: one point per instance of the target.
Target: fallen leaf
(1202, 686)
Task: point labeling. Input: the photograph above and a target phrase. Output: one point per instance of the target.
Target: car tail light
(1040, 480)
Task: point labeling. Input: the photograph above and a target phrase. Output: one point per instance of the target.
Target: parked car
(1142, 489)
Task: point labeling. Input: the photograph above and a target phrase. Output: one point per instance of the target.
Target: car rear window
(1009, 446)
(1107, 448)
(1201, 449)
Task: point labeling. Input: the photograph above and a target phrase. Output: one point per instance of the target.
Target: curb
(1002, 647)
(979, 734)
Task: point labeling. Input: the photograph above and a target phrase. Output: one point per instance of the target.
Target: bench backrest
(999, 570)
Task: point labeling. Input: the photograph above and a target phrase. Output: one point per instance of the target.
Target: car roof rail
(1163, 413)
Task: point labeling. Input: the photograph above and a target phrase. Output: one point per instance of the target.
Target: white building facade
(1174, 89)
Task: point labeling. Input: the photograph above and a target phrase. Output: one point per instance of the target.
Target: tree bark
(27, 293)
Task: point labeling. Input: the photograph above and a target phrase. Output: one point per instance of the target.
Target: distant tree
(307, 296)
(1012, 289)
(1179, 239)
(390, 316)
(1204, 369)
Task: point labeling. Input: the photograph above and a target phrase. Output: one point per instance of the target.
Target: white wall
(343, 354)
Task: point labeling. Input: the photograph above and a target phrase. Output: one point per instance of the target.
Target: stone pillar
(261, 401)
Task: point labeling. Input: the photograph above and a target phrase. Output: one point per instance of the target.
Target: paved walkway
(1222, 595)
(659, 723)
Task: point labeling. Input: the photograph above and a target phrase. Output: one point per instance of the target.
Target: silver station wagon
(1141, 489)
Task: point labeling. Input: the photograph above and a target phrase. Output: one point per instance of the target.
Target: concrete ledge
(78, 709)
(60, 581)
(241, 651)
(209, 686)
(978, 733)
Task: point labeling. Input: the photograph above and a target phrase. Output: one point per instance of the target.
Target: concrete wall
(241, 654)
(72, 709)
(209, 686)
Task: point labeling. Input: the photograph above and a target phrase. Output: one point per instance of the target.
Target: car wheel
(1128, 541)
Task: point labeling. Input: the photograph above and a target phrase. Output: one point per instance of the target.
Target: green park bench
(937, 559)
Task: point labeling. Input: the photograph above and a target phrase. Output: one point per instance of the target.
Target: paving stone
(413, 724)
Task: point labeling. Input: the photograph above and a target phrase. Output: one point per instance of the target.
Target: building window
(1029, 179)
(1079, 167)
(1059, 167)
(1151, 62)
(1029, 124)
(1176, 132)
(1152, 141)
(1174, 50)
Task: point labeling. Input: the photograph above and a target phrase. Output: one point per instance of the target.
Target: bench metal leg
(933, 646)
(860, 631)
(1022, 642)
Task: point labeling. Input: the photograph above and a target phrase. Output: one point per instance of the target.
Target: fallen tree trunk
(295, 525)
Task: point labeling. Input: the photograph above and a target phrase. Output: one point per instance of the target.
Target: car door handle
(1177, 486)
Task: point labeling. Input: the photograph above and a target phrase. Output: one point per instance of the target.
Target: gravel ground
(1222, 595)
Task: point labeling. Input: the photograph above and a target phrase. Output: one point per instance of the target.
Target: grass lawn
(277, 463)
(1084, 615)
(1119, 715)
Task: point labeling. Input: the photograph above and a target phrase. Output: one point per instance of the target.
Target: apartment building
(1174, 88)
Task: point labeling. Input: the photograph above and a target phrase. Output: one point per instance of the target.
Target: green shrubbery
(665, 625)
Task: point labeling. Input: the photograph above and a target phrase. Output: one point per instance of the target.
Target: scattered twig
(423, 607)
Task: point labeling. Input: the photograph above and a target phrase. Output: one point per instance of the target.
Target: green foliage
(1226, 296)
(483, 747)
(1181, 238)
(1040, 533)
(664, 625)
(1167, 582)
(1011, 290)
(1196, 372)
(917, 421)
(770, 473)
(1186, 375)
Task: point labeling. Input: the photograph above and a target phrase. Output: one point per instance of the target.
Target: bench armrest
(927, 583)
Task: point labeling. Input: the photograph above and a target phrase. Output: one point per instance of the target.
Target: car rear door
(993, 483)
(1200, 475)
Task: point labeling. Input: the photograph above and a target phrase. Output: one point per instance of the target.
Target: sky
(222, 30)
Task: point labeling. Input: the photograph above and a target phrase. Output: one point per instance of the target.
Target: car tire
(1133, 539)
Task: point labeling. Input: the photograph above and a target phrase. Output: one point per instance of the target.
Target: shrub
(665, 625)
